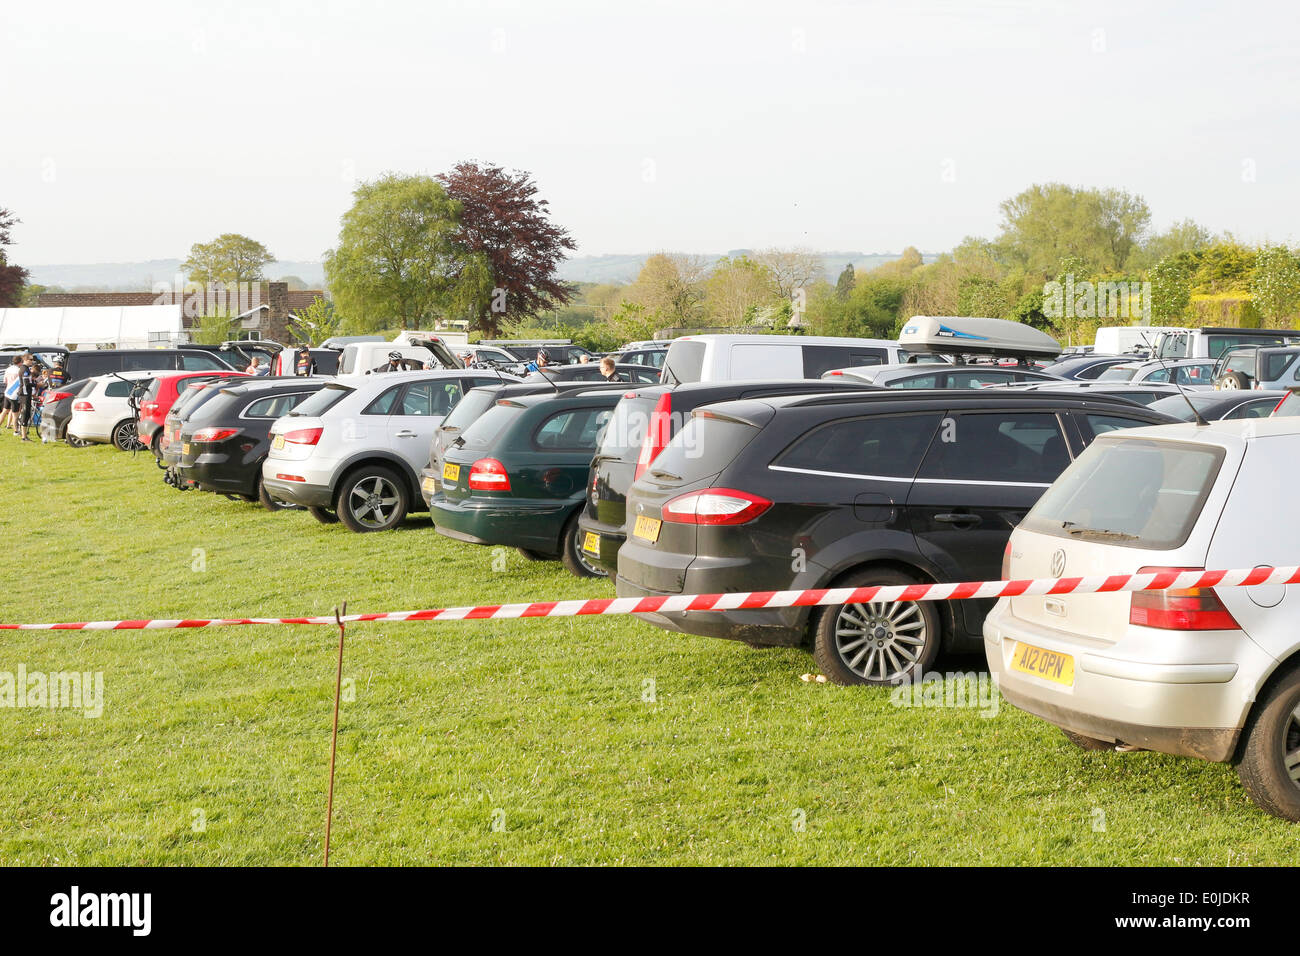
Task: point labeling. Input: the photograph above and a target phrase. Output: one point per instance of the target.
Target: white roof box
(964, 335)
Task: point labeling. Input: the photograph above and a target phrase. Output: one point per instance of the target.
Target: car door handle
(961, 520)
(405, 434)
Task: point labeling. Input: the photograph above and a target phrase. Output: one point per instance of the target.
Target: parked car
(1203, 672)
(1219, 406)
(590, 372)
(159, 398)
(1211, 342)
(1246, 366)
(168, 452)
(716, 358)
(1143, 393)
(352, 451)
(1085, 367)
(845, 491)
(561, 351)
(939, 376)
(56, 411)
(470, 408)
(1189, 373)
(644, 422)
(225, 441)
(103, 413)
(518, 475)
(89, 363)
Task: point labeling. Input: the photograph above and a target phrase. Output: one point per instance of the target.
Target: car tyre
(879, 644)
(1232, 380)
(579, 564)
(269, 503)
(1084, 742)
(124, 436)
(1269, 762)
(373, 498)
(323, 515)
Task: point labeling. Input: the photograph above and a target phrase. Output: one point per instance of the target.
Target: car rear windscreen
(627, 428)
(1131, 492)
(705, 446)
(322, 401)
(684, 362)
(484, 431)
(468, 409)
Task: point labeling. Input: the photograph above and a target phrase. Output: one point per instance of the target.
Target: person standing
(304, 364)
(27, 388)
(11, 387)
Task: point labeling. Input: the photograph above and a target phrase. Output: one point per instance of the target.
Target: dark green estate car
(518, 475)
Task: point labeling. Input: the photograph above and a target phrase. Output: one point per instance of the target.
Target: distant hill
(141, 276)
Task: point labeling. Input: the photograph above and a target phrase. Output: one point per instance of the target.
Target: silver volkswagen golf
(1209, 673)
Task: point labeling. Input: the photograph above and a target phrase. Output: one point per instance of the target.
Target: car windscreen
(1289, 407)
(322, 401)
(485, 430)
(627, 428)
(153, 390)
(684, 362)
(1136, 493)
(187, 396)
(1118, 373)
(468, 409)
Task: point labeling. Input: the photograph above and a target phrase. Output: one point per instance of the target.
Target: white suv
(102, 412)
(353, 450)
(1208, 673)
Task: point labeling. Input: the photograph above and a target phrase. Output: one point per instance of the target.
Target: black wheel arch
(415, 501)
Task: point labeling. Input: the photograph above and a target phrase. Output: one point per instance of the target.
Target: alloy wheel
(373, 501)
(880, 642)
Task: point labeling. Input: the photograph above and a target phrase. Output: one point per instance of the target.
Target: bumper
(91, 432)
(49, 429)
(609, 539)
(298, 492)
(780, 627)
(517, 523)
(146, 430)
(1183, 693)
(216, 472)
(429, 480)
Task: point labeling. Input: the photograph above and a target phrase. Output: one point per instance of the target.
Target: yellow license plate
(185, 449)
(591, 543)
(1049, 665)
(430, 485)
(647, 528)
(278, 442)
(451, 472)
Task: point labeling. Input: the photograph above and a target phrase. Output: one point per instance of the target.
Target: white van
(720, 358)
(1123, 339)
(362, 358)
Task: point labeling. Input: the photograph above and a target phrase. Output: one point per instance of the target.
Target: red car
(160, 398)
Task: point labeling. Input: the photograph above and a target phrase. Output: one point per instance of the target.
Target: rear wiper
(458, 441)
(666, 474)
(1102, 533)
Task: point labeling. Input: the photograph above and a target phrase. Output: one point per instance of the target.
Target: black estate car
(848, 490)
(56, 412)
(643, 424)
(225, 440)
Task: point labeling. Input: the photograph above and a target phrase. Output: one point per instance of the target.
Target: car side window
(274, 406)
(979, 378)
(1101, 424)
(574, 430)
(1256, 409)
(197, 362)
(998, 446)
(917, 381)
(117, 389)
(383, 405)
(885, 446)
(429, 398)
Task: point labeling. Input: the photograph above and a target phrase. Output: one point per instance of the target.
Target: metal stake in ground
(334, 739)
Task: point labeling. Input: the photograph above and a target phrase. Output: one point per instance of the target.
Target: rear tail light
(51, 397)
(657, 434)
(213, 434)
(1006, 563)
(148, 409)
(83, 407)
(1180, 609)
(303, 436)
(488, 474)
(715, 506)
(836, 372)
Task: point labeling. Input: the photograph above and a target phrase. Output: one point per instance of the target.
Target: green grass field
(494, 742)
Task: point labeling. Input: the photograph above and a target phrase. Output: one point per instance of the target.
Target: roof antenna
(549, 379)
(1196, 415)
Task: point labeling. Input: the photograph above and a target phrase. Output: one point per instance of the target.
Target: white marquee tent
(124, 327)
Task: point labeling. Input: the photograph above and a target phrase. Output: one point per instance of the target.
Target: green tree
(1047, 222)
(1171, 290)
(395, 253)
(230, 259)
(735, 289)
(844, 284)
(316, 323)
(1275, 286)
(670, 289)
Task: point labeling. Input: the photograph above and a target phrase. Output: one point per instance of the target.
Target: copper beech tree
(510, 247)
(12, 278)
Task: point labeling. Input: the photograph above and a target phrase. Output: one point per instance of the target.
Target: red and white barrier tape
(745, 600)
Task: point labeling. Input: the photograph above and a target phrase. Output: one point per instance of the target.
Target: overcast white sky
(133, 129)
